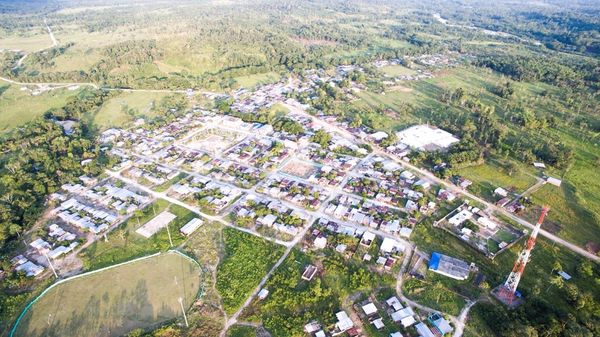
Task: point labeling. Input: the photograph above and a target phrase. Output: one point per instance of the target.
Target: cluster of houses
(181, 157)
(234, 173)
(83, 216)
(261, 98)
(372, 312)
(389, 250)
(270, 213)
(258, 151)
(121, 199)
(327, 175)
(294, 191)
(322, 156)
(148, 171)
(149, 140)
(211, 195)
(366, 213)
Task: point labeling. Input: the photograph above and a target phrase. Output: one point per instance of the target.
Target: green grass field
(18, 107)
(247, 259)
(115, 301)
(487, 177)
(34, 40)
(250, 81)
(113, 112)
(396, 70)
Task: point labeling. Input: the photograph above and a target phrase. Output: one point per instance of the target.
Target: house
(369, 309)
(440, 324)
(378, 323)
(268, 220)
(402, 313)
(390, 246)
(367, 239)
(320, 242)
(191, 226)
(449, 266)
(501, 192)
(394, 303)
(309, 272)
(423, 330)
(262, 294)
(396, 334)
(408, 321)
(460, 217)
(312, 327)
(30, 269)
(379, 136)
(344, 322)
(539, 165)
(554, 181)
(564, 275)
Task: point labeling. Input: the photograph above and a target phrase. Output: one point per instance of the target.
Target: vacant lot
(115, 301)
(127, 106)
(489, 176)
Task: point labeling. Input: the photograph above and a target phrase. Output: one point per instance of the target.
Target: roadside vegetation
(247, 259)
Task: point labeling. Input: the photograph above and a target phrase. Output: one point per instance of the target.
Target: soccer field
(116, 300)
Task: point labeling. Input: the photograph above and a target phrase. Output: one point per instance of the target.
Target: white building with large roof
(426, 138)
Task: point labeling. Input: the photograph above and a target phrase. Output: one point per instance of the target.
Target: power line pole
(169, 233)
(183, 310)
(51, 266)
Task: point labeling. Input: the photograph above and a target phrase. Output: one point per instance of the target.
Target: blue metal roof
(434, 262)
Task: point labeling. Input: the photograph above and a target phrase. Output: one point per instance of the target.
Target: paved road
(453, 188)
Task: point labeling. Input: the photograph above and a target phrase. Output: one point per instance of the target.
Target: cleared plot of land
(115, 301)
(489, 176)
(122, 108)
(299, 169)
(31, 42)
(396, 70)
(567, 217)
(250, 81)
(18, 107)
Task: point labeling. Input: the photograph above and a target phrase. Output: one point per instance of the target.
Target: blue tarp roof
(434, 262)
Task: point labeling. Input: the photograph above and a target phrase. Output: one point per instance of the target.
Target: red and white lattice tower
(508, 289)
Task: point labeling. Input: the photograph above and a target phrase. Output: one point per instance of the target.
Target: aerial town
(355, 168)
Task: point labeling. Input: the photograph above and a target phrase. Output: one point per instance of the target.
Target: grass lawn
(434, 295)
(124, 243)
(115, 301)
(18, 107)
(113, 112)
(249, 81)
(33, 41)
(247, 260)
(568, 217)
(241, 331)
(487, 177)
(396, 70)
